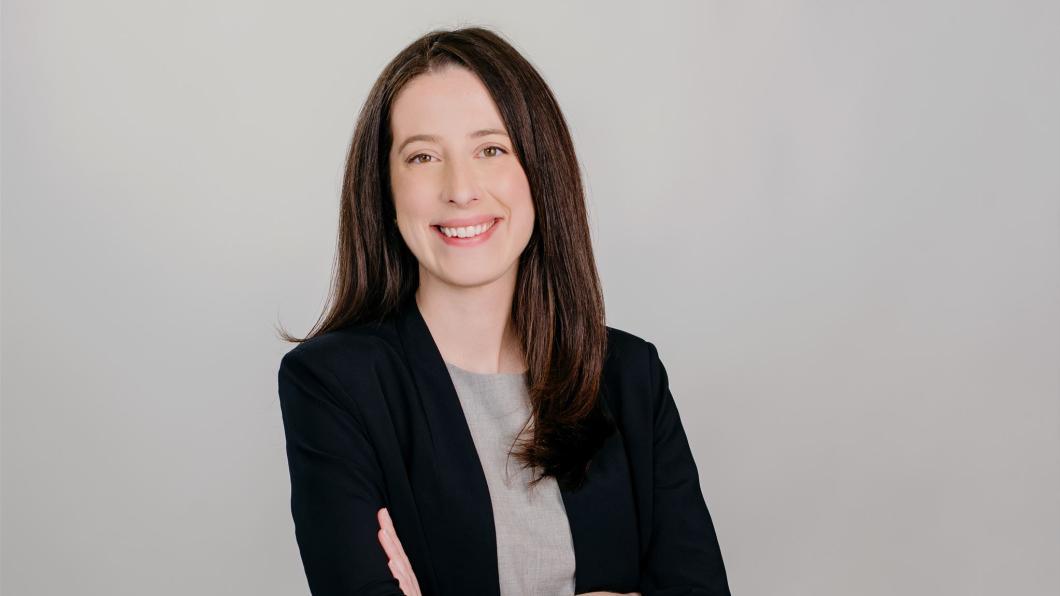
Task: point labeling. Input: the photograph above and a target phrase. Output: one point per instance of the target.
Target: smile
(467, 236)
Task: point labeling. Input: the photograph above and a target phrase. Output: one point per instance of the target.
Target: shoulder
(633, 367)
(340, 349)
(627, 350)
(340, 367)
(634, 379)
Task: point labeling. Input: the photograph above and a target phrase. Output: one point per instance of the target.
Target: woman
(465, 284)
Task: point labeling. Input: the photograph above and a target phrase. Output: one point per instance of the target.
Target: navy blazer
(372, 419)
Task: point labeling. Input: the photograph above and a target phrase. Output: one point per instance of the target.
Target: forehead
(448, 101)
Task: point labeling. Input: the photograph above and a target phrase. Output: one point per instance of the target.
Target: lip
(461, 222)
(474, 240)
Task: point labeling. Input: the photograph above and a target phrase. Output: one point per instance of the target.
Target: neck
(471, 325)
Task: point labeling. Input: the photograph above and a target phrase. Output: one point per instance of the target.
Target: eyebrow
(478, 133)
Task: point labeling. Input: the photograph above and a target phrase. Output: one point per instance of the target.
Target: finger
(392, 544)
(402, 559)
(392, 547)
(397, 560)
(386, 522)
(393, 531)
(416, 584)
(388, 544)
(396, 568)
(403, 581)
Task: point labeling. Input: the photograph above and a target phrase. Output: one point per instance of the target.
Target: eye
(415, 158)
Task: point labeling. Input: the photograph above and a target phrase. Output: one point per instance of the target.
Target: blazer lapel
(459, 513)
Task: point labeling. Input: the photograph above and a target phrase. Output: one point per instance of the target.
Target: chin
(471, 278)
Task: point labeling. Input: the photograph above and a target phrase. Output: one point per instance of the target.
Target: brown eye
(413, 158)
(501, 149)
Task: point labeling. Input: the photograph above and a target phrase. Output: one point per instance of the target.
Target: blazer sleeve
(336, 484)
(684, 557)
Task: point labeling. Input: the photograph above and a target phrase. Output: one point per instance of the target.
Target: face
(462, 199)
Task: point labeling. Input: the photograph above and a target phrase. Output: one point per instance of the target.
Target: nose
(461, 185)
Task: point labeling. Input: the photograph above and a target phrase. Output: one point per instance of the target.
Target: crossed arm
(402, 570)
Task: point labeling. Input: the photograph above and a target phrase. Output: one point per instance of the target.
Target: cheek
(516, 189)
(411, 198)
(521, 206)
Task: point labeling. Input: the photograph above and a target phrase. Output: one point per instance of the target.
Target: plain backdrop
(838, 221)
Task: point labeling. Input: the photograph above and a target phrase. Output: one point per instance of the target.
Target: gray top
(535, 550)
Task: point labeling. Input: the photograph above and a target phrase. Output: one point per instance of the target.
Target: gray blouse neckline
(486, 375)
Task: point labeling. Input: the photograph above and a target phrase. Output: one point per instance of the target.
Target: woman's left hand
(398, 561)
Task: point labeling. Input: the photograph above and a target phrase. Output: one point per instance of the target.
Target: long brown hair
(558, 306)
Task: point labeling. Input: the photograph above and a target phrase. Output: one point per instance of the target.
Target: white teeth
(468, 231)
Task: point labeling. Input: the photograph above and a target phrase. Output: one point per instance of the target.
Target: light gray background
(838, 221)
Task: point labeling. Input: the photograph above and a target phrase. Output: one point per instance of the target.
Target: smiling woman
(465, 328)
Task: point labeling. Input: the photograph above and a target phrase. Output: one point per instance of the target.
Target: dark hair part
(558, 306)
